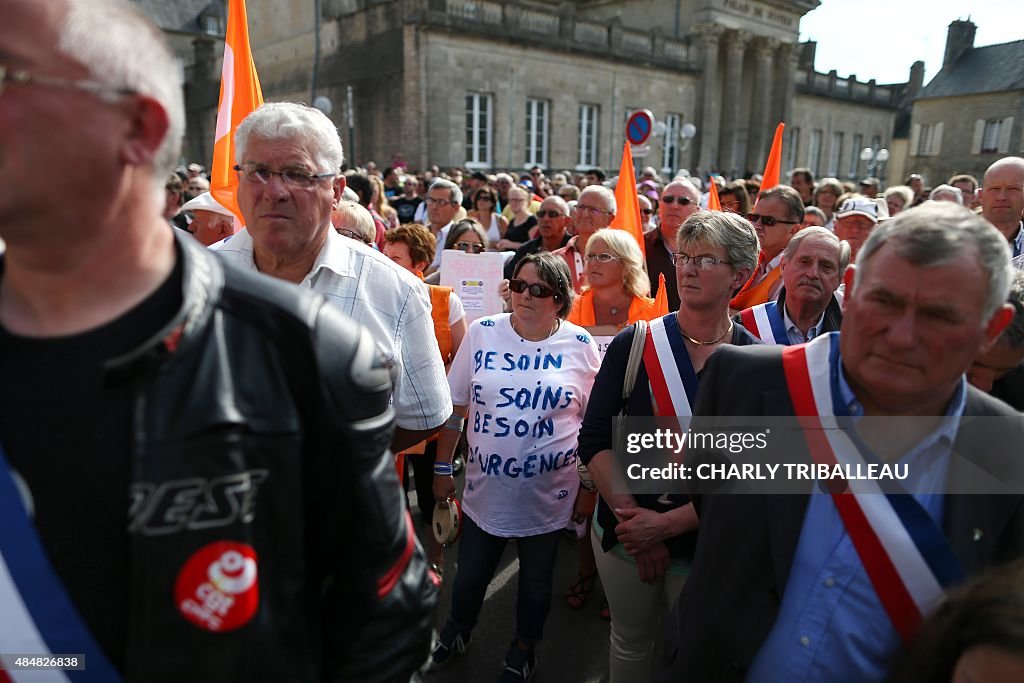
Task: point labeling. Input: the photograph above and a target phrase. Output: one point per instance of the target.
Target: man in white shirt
(1002, 200)
(289, 158)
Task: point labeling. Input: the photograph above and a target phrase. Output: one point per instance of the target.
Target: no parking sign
(639, 126)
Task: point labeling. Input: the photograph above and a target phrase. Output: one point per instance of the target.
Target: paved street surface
(575, 645)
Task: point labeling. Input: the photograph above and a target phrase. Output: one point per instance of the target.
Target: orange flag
(714, 203)
(627, 216)
(240, 94)
(774, 165)
(661, 298)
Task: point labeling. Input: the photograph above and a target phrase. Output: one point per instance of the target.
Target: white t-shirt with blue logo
(526, 403)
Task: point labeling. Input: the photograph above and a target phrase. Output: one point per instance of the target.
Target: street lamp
(875, 159)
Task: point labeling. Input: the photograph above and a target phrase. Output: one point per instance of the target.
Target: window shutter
(979, 132)
(937, 139)
(1005, 128)
(915, 137)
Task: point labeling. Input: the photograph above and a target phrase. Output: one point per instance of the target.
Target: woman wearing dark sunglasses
(522, 378)
(485, 212)
(644, 543)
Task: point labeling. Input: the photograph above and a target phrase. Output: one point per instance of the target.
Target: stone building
(509, 84)
(972, 112)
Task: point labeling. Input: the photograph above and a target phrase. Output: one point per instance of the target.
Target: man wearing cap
(813, 264)
(830, 587)
(679, 201)
(777, 216)
(855, 220)
(869, 187)
(211, 222)
(1002, 200)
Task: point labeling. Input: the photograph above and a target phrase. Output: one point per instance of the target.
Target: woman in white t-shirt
(522, 380)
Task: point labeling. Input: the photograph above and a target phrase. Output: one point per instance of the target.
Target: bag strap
(636, 356)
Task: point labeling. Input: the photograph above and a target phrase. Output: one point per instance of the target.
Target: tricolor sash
(673, 380)
(37, 617)
(765, 322)
(904, 552)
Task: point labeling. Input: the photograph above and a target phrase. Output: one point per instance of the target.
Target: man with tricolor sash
(777, 216)
(195, 482)
(812, 268)
(830, 584)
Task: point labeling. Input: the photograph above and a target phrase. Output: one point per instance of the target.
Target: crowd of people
(200, 410)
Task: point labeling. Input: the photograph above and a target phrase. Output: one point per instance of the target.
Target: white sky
(881, 38)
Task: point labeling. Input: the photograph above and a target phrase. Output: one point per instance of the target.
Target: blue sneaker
(519, 665)
(449, 644)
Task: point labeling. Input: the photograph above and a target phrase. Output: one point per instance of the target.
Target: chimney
(959, 39)
(916, 79)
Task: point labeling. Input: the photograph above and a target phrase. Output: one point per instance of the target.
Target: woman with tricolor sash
(648, 540)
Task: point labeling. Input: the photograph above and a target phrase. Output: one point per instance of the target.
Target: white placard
(475, 279)
(603, 335)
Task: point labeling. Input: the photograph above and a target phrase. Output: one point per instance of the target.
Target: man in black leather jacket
(202, 452)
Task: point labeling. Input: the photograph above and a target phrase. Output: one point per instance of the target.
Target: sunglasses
(550, 214)
(536, 290)
(647, 212)
(767, 221)
(682, 201)
(469, 247)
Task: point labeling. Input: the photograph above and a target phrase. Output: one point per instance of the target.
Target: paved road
(575, 645)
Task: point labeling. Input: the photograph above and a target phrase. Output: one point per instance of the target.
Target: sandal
(577, 594)
(606, 613)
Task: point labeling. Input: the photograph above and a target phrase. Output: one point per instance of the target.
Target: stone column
(785, 84)
(735, 48)
(708, 125)
(762, 126)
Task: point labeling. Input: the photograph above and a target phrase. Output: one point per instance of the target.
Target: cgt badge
(217, 590)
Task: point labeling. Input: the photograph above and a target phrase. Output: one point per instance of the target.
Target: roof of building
(177, 15)
(993, 68)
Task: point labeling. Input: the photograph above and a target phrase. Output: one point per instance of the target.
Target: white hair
(122, 48)
(955, 192)
(293, 121)
(607, 196)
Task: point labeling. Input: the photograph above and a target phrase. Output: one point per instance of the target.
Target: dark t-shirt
(405, 208)
(69, 437)
(521, 232)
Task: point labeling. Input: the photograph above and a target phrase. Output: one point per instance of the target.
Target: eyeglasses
(485, 198)
(550, 214)
(536, 290)
(676, 199)
(602, 258)
(344, 232)
(469, 247)
(593, 210)
(701, 262)
(647, 212)
(430, 201)
(767, 221)
(293, 177)
(101, 90)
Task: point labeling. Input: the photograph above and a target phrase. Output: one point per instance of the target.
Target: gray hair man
(552, 221)
(594, 210)
(1002, 200)
(443, 201)
(999, 370)
(931, 287)
(813, 264)
(289, 157)
(946, 193)
(679, 200)
(169, 418)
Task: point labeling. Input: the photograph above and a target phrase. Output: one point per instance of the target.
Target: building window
(858, 145)
(926, 139)
(536, 133)
(478, 130)
(588, 136)
(814, 152)
(793, 148)
(996, 135)
(670, 150)
(834, 154)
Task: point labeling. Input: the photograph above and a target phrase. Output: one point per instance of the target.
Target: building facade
(972, 112)
(497, 84)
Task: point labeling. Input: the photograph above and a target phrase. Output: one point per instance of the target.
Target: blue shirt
(793, 332)
(831, 625)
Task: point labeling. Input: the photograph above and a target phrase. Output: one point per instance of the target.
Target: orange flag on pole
(240, 94)
(714, 203)
(772, 169)
(627, 215)
(661, 298)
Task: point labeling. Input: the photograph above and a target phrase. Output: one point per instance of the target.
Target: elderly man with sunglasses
(594, 210)
(679, 200)
(289, 156)
(552, 221)
(777, 216)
